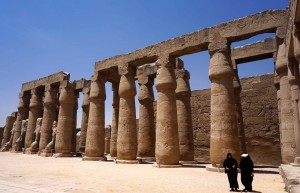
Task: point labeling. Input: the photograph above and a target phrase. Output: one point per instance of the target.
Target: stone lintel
(256, 51)
(248, 53)
(236, 30)
(81, 84)
(51, 79)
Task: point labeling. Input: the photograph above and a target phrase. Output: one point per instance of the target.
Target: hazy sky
(38, 38)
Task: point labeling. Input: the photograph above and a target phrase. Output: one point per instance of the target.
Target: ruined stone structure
(167, 135)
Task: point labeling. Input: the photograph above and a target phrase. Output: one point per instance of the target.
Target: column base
(57, 155)
(86, 158)
(29, 152)
(14, 151)
(146, 159)
(188, 162)
(214, 169)
(166, 166)
(43, 153)
(296, 162)
(109, 158)
(118, 161)
(4, 150)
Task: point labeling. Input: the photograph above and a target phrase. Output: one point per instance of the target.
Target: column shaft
(167, 140)
(127, 133)
(23, 111)
(74, 131)
(239, 113)
(63, 142)
(7, 129)
(286, 108)
(146, 136)
(94, 149)
(49, 115)
(36, 111)
(224, 131)
(115, 120)
(107, 139)
(295, 84)
(184, 115)
(84, 121)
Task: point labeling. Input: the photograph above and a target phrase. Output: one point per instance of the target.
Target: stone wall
(259, 104)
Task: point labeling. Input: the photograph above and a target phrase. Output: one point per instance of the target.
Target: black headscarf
(229, 162)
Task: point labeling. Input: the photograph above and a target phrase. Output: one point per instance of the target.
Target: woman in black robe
(246, 166)
(230, 165)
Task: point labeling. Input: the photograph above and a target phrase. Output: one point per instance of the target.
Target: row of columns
(160, 142)
(170, 141)
(39, 109)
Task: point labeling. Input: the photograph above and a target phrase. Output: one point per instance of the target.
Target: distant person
(246, 166)
(231, 165)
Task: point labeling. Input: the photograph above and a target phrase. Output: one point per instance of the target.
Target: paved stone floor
(31, 173)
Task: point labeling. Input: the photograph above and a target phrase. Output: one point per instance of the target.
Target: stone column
(23, 111)
(49, 116)
(127, 133)
(107, 139)
(74, 131)
(224, 132)
(167, 140)
(63, 142)
(146, 136)
(8, 127)
(36, 111)
(295, 82)
(184, 114)
(239, 112)
(94, 149)
(115, 120)
(85, 117)
(286, 108)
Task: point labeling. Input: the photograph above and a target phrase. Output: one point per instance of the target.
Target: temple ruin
(179, 126)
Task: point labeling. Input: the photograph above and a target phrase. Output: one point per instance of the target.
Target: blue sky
(38, 38)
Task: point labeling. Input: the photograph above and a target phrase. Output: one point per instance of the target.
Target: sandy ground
(31, 173)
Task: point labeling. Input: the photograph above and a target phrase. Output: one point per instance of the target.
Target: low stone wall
(259, 104)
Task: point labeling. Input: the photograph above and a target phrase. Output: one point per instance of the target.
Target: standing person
(230, 165)
(246, 166)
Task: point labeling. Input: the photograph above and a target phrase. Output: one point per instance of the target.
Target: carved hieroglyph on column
(127, 134)
(184, 114)
(94, 149)
(286, 108)
(49, 115)
(239, 112)
(63, 142)
(85, 117)
(23, 111)
(224, 132)
(8, 127)
(36, 111)
(115, 118)
(146, 136)
(167, 140)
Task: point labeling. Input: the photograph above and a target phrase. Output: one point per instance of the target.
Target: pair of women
(246, 168)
